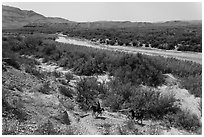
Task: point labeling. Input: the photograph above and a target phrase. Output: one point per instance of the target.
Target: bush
(155, 105)
(114, 101)
(187, 121)
(193, 84)
(183, 120)
(12, 62)
(45, 88)
(46, 129)
(66, 91)
(128, 128)
(56, 74)
(10, 127)
(33, 71)
(107, 129)
(88, 90)
(69, 76)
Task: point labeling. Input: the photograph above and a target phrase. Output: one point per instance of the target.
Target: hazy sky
(135, 11)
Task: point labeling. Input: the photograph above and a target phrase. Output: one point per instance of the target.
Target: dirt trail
(83, 126)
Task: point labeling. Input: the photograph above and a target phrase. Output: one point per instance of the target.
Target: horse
(96, 109)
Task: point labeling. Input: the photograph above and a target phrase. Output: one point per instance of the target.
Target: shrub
(114, 101)
(107, 127)
(187, 121)
(33, 71)
(46, 129)
(193, 84)
(49, 49)
(12, 62)
(63, 81)
(56, 74)
(67, 103)
(87, 90)
(13, 111)
(27, 61)
(154, 130)
(45, 88)
(10, 127)
(128, 128)
(69, 76)
(154, 104)
(66, 91)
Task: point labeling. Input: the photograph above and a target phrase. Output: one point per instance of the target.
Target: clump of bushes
(155, 105)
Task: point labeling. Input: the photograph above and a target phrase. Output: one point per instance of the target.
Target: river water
(191, 56)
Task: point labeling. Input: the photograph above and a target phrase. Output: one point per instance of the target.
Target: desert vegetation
(131, 73)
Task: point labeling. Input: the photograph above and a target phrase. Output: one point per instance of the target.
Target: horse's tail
(98, 105)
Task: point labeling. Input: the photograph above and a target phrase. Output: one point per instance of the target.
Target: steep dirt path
(91, 128)
(83, 126)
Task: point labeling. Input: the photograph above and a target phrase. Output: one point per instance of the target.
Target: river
(191, 56)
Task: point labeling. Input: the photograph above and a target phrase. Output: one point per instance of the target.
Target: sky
(115, 11)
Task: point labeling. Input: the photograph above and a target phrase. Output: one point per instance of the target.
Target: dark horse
(138, 115)
(97, 109)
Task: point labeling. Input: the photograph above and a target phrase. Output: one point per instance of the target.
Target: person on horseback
(138, 114)
(96, 108)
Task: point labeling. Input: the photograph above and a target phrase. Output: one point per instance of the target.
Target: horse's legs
(93, 113)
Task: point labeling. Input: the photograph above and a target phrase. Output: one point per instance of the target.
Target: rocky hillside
(14, 18)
